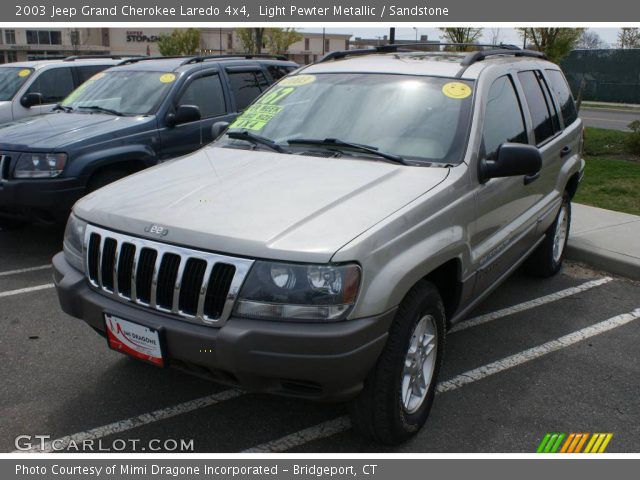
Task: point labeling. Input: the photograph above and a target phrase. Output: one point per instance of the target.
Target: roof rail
(203, 58)
(127, 61)
(482, 54)
(408, 47)
(97, 57)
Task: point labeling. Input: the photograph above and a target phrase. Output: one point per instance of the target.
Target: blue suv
(139, 113)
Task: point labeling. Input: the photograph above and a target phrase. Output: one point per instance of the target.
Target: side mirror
(31, 99)
(218, 129)
(512, 160)
(184, 114)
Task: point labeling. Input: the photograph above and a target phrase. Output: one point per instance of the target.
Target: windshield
(11, 79)
(125, 92)
(418, 118)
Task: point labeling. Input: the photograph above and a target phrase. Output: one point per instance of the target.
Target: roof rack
(97, 57)
(203, 58)
(489, 50)
(140, 59)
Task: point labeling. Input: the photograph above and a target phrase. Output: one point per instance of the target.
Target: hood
(56, 130)
(257, 203)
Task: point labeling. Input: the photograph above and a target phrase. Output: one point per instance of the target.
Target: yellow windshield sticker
(25, 72)
(167, 77)
(297, 81)
(456, 90)
(257, 116)
(97, 76)
(275, 95)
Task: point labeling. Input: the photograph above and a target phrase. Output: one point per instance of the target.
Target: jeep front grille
(194, 285)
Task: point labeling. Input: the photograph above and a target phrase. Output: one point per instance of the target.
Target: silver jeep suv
(324, 244)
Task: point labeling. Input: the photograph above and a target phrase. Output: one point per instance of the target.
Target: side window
(563, 94)
(246, 86)
(503, 121)
(54, 85)
(543, 115)
(279, 71)
(206, 94)
(87, 71)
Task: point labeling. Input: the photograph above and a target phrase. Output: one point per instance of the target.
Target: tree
(590, 40)
(629, 37)
(494, 35)
(461, 35)
(252, 39)
(180, 42)
(555, 43)
(280, 39)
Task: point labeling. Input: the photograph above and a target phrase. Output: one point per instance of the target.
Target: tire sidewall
(429, 304)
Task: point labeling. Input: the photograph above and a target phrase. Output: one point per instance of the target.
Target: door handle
(531, 178)
(565, 151)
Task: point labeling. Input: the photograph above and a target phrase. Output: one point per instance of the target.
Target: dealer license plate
(134, 339)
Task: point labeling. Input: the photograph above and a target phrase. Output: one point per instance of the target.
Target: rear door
(246, 83)
(203, 89)
(547, 133)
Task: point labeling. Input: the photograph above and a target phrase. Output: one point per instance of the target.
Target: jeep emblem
(157, 230)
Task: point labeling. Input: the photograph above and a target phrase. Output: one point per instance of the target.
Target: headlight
(40, 165)
(285, 291)
(73, 239)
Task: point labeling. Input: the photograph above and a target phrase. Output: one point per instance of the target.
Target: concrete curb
(602, 259)
(605, 239)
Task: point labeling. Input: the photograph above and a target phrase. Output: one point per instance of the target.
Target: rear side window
(246, 86)
(543, 114)
(563, 94)
(503, 121)
(87, 71)
(54, 85)
(279, 71)
(206, 94)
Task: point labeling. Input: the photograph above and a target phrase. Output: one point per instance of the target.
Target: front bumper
(47, 200)
(322, 361)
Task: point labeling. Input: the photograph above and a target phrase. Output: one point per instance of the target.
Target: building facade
(20, 44)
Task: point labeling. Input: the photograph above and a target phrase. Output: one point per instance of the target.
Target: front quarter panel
(411, 243)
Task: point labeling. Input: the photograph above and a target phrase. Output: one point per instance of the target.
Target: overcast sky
(507, 35)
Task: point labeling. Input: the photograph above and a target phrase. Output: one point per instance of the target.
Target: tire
(547, 259)
(386, 410)
(104, 178)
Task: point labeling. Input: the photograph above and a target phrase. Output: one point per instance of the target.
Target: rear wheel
(547, 259)
(399, 391)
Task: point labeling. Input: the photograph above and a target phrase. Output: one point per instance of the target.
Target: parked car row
(124, 116)
(324, 244)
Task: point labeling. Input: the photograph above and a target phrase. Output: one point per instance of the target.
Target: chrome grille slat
(197, 287)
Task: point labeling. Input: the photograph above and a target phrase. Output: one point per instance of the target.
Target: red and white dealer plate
(134, 339)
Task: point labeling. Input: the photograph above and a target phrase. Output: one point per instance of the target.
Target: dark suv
(138, 114)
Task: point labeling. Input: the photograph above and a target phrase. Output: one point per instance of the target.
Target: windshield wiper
(63, 108)
(334, 142)
(256, 140)
(102, 109)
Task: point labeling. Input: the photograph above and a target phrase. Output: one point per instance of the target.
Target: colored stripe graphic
(574, 442)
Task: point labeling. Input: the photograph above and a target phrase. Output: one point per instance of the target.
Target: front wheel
(547, 259)
(399, 391)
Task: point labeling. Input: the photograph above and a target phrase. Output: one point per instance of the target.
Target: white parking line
(341, 424)
(521, 307)
(26, 290)
(140, 420)
(24, 270)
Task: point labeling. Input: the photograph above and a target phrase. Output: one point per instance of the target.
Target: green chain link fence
(604, 75)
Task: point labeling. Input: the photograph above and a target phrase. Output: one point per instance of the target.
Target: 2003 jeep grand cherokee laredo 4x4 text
(323, 245)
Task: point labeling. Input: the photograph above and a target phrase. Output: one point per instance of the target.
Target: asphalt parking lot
(558, 355)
